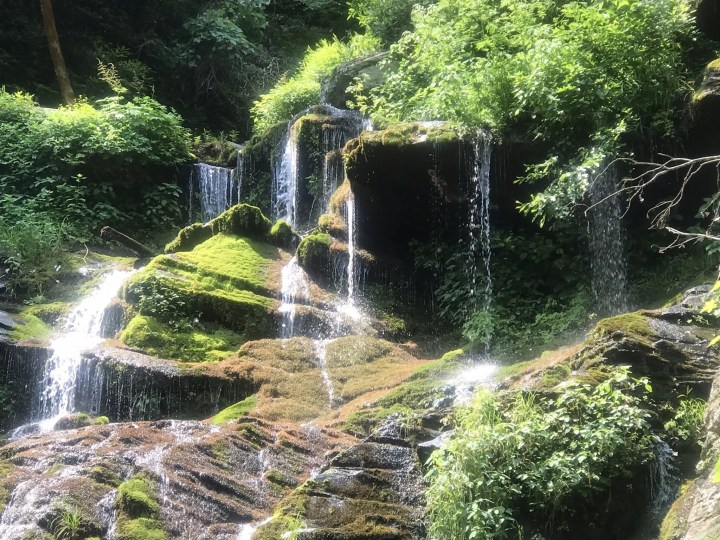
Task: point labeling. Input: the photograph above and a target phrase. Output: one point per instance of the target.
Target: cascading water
(479, 227)
(351, 269)
(285, 180)
(216, 189)
(294, 286)
(608, 259)
(82, 331)
(664, 478)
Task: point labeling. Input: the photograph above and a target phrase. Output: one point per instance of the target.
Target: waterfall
(294, 285)
(479, 228)
(81, 332)
(608, 260)
(351, 270)
(664, 478)
(285, 180)
(215, 186)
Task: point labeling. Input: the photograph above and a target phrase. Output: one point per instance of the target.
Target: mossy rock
(138, 510)
(187, 345)
(202, 304)
(314, 254)
(234, 412)
(282, 235)
(240, 220)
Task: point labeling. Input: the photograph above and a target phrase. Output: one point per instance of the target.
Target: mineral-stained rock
(208, 480)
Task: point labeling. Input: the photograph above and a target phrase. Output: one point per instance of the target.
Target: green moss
(674, 524)
(5, 469)
(634, 325)
(314, 252)
(365, 421)
(136, 497)
(158, 339)
(282, 235)
(240, 220)
(139, 510)
(714, 65)
(31, 328)
(236, 411)
(101, 420)
(140, 529)
(49, 313)
(103, 475)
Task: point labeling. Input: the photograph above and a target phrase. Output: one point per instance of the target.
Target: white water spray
(608, 259)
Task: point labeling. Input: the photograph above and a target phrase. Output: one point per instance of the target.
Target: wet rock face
(373, 490)
(669, 346)
(20, 368)
(208, 481)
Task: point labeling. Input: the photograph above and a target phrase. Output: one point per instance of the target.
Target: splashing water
(294, 286)
(351, 270)
(82, 331)
(608, 259)
(215, 185)
(479, 226)
(664, 478)
(468, 379)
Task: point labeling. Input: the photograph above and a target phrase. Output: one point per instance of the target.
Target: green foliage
(296, 93)
(688, 422)
(68, 524)
(89, 165)
(540, 295)
(575, 75)
(31, 248)
(386, 19)
(536, 457)
(236, 411)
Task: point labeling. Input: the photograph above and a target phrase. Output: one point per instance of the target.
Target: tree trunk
(55, 51)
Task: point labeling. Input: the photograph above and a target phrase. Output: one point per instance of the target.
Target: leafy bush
(536, 457)
(386, 19)
(91, 165)
(573, 74)
(31, 248)
(292, 95)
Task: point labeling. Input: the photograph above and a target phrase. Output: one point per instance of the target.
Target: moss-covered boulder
(201, 304)
(240, 220)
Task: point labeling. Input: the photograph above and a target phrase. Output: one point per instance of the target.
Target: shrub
(294, 94)
(539, 455)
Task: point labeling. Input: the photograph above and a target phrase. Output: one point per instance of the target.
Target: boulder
(367, 68)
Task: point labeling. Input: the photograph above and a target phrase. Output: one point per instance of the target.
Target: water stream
(285, 180)
(479, 228)
(608, 257)
(82, 331)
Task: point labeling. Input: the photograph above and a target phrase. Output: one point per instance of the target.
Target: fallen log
(136, 247)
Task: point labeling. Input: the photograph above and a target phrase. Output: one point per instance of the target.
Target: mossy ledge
(241, 220)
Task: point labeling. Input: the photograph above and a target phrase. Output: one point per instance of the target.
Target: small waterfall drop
(321, 352)
(351, 267)
(608, 259)
(81, 332)
(285, 180)
(479, 228)
(664, 478)
(294, 285)
(216, 187)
